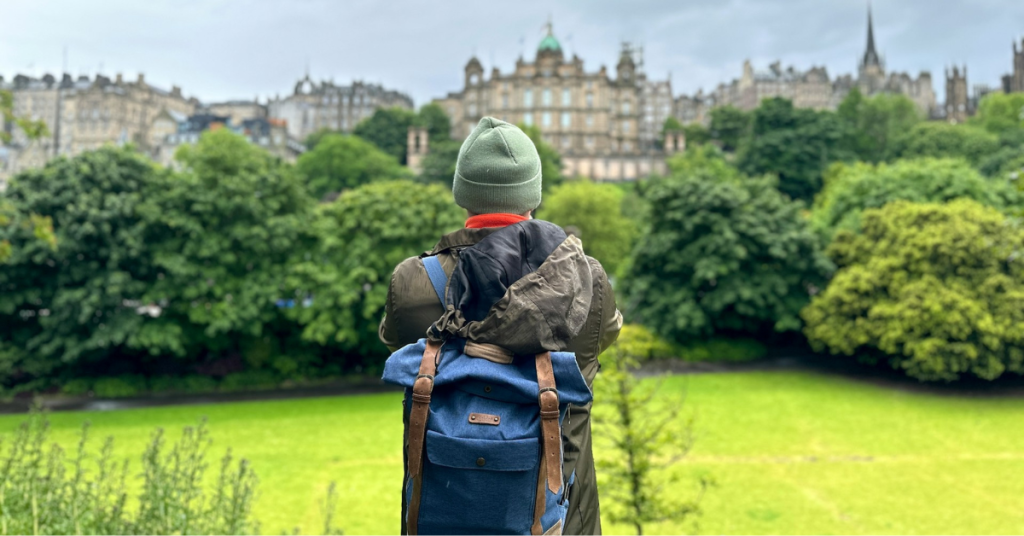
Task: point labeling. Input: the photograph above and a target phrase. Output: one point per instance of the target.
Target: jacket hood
(526, 288)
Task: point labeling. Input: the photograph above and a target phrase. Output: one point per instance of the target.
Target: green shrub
(250, 380)
(936, 290)
(42, 491)
(119, 386)
(723, 350)
(77, 386)
(641, 344)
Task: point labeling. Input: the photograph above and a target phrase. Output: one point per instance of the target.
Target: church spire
(871, 55)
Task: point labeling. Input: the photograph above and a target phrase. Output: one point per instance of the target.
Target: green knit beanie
(498, 170)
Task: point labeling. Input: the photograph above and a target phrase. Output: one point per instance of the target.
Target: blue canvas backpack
(484, 435)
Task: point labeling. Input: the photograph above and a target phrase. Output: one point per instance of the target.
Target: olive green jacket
(412, 307)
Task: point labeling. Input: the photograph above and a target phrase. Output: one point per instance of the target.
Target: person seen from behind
(498, 182)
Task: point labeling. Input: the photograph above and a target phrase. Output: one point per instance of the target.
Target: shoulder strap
(437, 276)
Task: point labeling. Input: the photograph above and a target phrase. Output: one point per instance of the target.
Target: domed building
(605, 126)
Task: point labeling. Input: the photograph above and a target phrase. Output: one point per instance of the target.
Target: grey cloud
(233, 49)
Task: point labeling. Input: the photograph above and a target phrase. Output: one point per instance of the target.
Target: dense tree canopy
(940, 140)
(722, 254)
(388, 129)
(876, 122)
(855, 187)
(62, 306)
(361, 237)
(1000, 112)
(730, 126)
(439, 126)
(341, 162)
(794, 144)
(222, 236)
(595, 211)
(936, 290)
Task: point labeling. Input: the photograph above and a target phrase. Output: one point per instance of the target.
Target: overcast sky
(224, 49)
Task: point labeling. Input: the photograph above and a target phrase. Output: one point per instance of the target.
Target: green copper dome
(549, 43)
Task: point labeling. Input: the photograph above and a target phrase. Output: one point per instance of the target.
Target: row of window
(545, 120)
(546, 100)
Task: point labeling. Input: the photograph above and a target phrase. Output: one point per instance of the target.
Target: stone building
(237, 110)
(1014, 82)
(316, 105)
(811, 88)
(176, 130)
(958, 104)
(84, 114)
(598, 122)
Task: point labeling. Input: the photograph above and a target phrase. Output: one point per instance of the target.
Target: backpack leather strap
(551, 437)
(421, 390)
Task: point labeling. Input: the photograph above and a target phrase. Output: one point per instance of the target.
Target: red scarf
(482, 221)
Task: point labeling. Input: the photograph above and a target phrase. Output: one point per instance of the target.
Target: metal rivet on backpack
(487, 389)
(495, 419)
(472, 417)
(480, 462)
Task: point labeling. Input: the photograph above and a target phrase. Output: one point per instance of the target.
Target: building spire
(870, 54)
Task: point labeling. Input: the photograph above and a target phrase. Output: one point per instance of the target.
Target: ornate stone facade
(317, 105)
(811, 88)
(600, 124)
(84, 114)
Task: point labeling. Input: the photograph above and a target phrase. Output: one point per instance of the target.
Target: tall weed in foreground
(639, 436)
(42, 491)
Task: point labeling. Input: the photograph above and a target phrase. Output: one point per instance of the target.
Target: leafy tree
(317, 136)
(76, 304)
(341, 162)
(439, 126)
(853, 188)
(696, 134)
(671, 124)
(1008, 161)
(730, 126)
(550, 160)
(222, 235)
(361, 237)
(439, 163)
(795, 144)
(705, 159)
(722, 254)
(32, 129)
(388, 129)
(936, 290)
(877, 121)
(595, 210)
(999, 112)
(643, 435)
(938, 139)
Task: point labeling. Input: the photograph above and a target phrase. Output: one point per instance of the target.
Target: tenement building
(605, 126)
(1014, 81)
(318, 105)
(812, 88)
(84, 114)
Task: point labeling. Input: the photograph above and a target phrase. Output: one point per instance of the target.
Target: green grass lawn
(791, 452)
